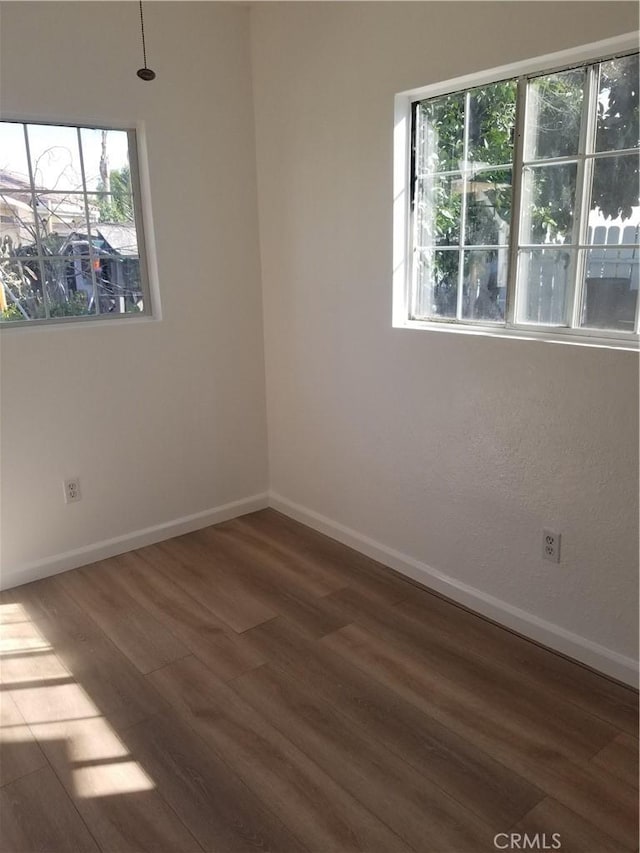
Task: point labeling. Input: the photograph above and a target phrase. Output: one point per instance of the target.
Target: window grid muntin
(94, 283)
(514, 289)
(463, 206)
(41, 258)
(410, 236)
(45, 300)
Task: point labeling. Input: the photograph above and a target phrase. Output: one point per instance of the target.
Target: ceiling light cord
(144, 73)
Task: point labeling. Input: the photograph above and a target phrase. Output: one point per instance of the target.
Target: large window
(521, 206)
(71, 244)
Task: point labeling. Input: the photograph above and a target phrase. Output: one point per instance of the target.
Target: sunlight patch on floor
(60, 713)
(108, 779)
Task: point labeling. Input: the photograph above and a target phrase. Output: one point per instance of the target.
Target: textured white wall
(159, 419)
(455, 450)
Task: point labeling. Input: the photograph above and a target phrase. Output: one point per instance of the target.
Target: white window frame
(402, 198)
(142, 215)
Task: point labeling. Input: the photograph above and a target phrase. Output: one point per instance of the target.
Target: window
(71, 243)
(517, 204)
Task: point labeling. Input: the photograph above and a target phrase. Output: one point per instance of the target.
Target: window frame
(403, 286)
(142, 221)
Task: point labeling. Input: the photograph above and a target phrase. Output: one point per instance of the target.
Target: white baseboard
(598, 657)
(130, 541)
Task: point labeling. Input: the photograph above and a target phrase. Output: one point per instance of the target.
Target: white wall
(454, 450)
(160, 420)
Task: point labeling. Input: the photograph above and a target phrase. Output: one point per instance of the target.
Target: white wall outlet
(72, 490)
(551, 545)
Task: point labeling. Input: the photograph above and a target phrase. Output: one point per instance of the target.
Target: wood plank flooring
(256, 686)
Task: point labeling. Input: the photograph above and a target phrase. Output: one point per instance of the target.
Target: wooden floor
(258, 687)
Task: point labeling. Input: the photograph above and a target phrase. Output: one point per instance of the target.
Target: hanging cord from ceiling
(144, 73)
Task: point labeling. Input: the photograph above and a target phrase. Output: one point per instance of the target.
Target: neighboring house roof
(120, 237)
(58, 212)
(13, 202)
(14, 190)
(9, 180)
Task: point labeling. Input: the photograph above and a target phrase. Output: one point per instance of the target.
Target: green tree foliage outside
(615, 184)
(487, 172)
(118, 205)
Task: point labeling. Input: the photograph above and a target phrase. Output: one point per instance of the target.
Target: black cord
(144, 48)
(144, 73)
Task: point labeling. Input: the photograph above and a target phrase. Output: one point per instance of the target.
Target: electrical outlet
(551, 546)
(72, 490)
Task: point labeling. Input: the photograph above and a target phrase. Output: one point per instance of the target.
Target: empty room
(319, 398)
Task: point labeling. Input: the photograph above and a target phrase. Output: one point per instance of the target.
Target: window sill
(551, 335)
(100, 320)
